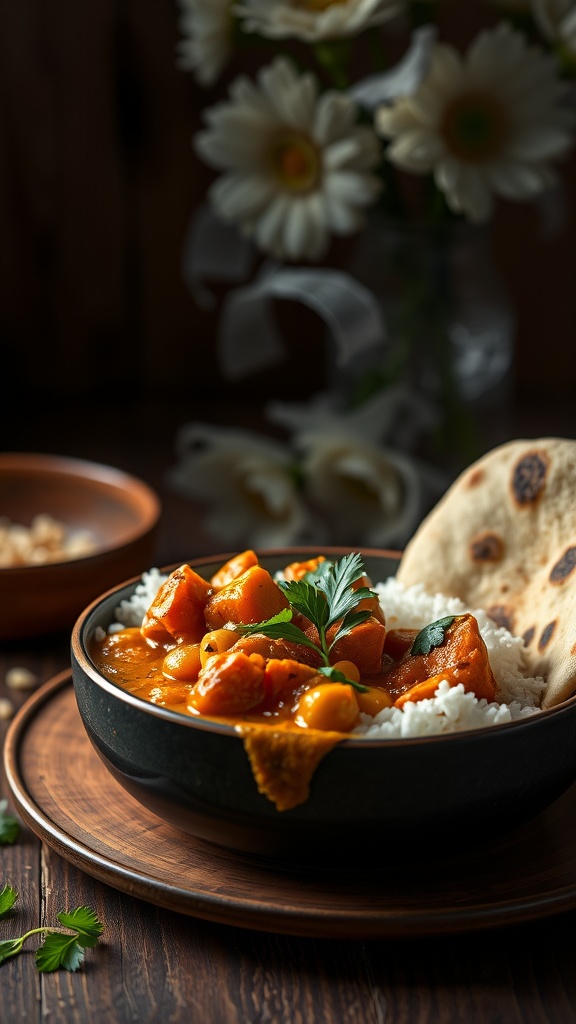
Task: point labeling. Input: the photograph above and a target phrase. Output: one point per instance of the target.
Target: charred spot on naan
(564, 566)
(502, 616)
(546, 635)
(529, 478)
(528, 636)
(475, 477)
(486, 547)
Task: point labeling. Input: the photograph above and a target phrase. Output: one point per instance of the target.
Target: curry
(291, 663)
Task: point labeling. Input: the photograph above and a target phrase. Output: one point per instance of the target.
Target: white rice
(451, 709)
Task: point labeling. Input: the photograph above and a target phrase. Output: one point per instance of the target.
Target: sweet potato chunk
(297, 570)
(257, 643)
(233, 568)
(399, 641)
(371, 604)
(229, 684)
(364, 646)
(461, 658)
(177, 611)
(421, 691)
(284, 676)
(251, 597)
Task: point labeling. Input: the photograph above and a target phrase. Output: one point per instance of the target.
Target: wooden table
(154, 964)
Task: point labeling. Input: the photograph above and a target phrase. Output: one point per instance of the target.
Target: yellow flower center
(296, 163)
(474, 127)
(317, 5)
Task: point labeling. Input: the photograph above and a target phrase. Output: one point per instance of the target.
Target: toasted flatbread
(503, 538)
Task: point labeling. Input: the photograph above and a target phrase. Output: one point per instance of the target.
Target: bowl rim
(147, 502)
(80, 653)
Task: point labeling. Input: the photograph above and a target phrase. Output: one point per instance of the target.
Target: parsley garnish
(432, 635)
(8, 897)
(61, 947)
(9, 826)
(325, 597)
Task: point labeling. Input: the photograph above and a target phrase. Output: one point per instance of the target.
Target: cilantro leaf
(8, 897)
(339, 677)
(10, 948)
(432, 635)
(324, 596)
(59, 950)
(84, 921)
(247, 628)
(349, 622)
(9, 826)
(306, 599)
(337, 585)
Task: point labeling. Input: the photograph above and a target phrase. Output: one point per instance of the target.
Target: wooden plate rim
(284, 916)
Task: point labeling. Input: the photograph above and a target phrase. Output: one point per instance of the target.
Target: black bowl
(369, 798)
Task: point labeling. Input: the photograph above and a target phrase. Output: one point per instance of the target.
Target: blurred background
(105, 352)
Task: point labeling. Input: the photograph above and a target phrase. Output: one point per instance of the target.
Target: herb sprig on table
(9, 825)
(325, 596)
(61, 947)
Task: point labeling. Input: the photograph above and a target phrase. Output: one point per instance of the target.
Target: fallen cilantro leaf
(10, 948)
(431, 636)
(8, 897)
(59, 947)
(9, 826)
(57, 951)
(84, 921)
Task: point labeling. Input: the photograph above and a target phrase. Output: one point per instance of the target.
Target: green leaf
(84, 921)
(8, 897)
(315, 576)
(337, 676)
(9, 948)
(432, 635)
(323, 596)
(306, 599)
(247, 628)
(337, 586)
(9, 826)
(57, 951)
(349, 622)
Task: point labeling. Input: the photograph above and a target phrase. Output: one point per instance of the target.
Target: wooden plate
(67, 796)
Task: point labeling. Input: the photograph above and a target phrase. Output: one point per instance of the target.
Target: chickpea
(348, 669)
(332, 707)
(182, 663)
(371, 702)
(216, 642)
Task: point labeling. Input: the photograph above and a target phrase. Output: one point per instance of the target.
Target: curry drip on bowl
(291, 663)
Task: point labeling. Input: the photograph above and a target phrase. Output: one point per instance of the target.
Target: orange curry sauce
(187, 656)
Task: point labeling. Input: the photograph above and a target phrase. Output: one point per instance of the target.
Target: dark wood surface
(156, 964)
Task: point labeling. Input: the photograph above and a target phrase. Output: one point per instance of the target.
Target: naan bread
(503, 538)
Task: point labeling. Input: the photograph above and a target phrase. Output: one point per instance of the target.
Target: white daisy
(314, 20)
(297, 166)
(557, 21)
(245, 481)
(485, 124)
(206, 44)
(361, 489)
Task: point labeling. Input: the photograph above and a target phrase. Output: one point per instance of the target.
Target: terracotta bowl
(120, 512)
(370, 800)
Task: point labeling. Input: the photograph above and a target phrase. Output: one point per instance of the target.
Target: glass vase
(450, 331)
